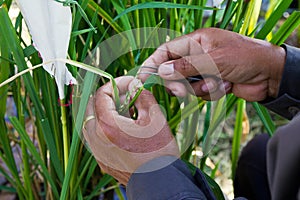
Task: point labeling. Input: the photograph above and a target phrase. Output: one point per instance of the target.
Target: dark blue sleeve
(172, 182)
(287, 104)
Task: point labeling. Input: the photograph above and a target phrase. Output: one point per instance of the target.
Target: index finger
(178, 48)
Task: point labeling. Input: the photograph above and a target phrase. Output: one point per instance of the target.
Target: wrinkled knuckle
(186, 63)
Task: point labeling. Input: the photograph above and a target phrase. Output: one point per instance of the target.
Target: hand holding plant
(121, 144)
(254, 67)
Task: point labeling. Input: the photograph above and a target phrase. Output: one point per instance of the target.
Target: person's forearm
(287, 102)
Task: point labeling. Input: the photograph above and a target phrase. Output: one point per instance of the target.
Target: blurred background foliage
(32, 143)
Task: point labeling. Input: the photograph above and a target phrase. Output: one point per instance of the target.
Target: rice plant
(54, 162)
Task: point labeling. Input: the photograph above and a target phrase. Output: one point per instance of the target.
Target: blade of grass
(198, 14)
(8, 158)
(82, 174)
(230, 10)
(106, 179)
(186, 112)
(26, 172)
(34, 153)
(218, 115)
(273, 19)
(101, 12)
(286, 28)
(91, 170)
(237, 135)
(87, 88)
(215, 187)
(255, 16)
(164, 5)
(238, 14)
(265, 118)
(211, 182)
(4, 74)
(7, 155)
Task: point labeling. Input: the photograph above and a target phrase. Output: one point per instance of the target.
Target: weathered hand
(250, 68)
(120, 144)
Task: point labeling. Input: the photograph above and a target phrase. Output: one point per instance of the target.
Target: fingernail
(208, 86)
(166, 69)
(226, 85)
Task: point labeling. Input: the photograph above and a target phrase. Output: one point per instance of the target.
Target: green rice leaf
(80, 32)
(237, 135)
(214, 187)
(86, 91)
(29, 50)
(106, 179)
(273, 19)
(286, 28)
(101, 12)
(34, 153)
(164, 5)
(151, 81)
(265, 118)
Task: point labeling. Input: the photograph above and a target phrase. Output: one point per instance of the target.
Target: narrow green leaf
(86, 91)
(265, 118)
(214, 187)
(164, 5)
(80, 32)
(26, 172)
(82, 174)
(185, 113)
(8, 158)
(96, 8)
(286, 28)
(7, 189)
(211, 182)
(218, 115)
(151, 81)
(34, 153)
(273, 19)
(29, 50)
(237, 135)
(106, 179)
(229, 13)
(91, 170)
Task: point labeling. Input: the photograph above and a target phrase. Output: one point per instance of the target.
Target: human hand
(121, 144)
(250, 68)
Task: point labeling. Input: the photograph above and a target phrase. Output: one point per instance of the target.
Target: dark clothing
(173, 182)
(251, 179)
(283, 154)
(283, 150)
(287, 104)
(283, 162)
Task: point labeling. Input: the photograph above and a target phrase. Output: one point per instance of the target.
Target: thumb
(188, 66)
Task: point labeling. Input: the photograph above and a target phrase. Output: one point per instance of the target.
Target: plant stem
(65, 133)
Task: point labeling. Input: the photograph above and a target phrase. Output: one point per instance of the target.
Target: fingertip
(209, 86)
(176, 88)
(205, 86)
(166, 69)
